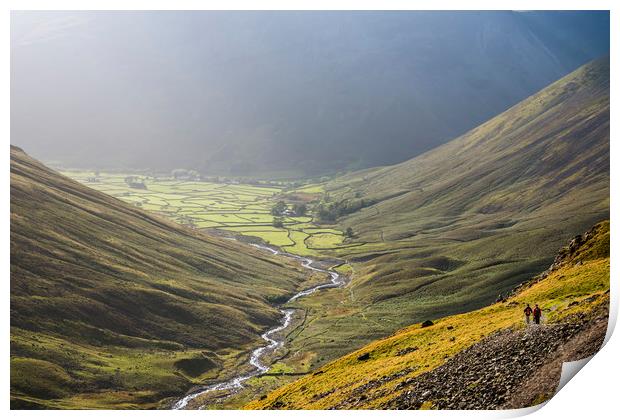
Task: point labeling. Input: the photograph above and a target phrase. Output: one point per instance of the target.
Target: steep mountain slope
(476, 360)
(539, 150)
(544, 164)
(448, 231)
(286, 92)
(109, 300)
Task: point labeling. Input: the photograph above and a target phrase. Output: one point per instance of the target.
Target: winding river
(258, 366)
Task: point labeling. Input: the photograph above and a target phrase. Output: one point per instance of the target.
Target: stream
(273, 343)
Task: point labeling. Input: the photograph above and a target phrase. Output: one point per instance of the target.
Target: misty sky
(219, 91)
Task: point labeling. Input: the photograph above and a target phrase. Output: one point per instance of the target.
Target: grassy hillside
(448, 231)
(380, 374)
(114, 307)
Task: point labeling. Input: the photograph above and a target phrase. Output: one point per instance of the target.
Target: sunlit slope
(575, 292)
(107, 298)
(474, 217)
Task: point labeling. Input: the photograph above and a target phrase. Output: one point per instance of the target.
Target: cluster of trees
(135, 182)
(328, 212)
(190, 174)
(281, 209)
(325, 211)
(300, 209)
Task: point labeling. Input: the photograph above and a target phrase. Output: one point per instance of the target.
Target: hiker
(527, 311)
(537, 312)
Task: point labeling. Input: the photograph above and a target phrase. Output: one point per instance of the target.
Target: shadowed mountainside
(107, 299)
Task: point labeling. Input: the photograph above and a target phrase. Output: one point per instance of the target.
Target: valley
(441, 234)
(194, 276)
(306, 209)
(114, 307)
(242, 211)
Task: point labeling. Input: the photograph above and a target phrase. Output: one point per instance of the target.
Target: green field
(240, 208)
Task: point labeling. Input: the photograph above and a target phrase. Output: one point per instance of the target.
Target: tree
(278, 222)
(325, 212)
(300, 209)
(279, 208)
(349, 232)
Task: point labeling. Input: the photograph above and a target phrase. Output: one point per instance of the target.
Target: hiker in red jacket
(537, 312)
(527, 311)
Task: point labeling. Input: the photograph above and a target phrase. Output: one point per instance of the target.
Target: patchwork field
(239, 208)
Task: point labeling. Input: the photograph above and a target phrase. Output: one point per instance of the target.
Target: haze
(292, 93)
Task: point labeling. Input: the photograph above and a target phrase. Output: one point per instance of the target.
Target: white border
(592, 395)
